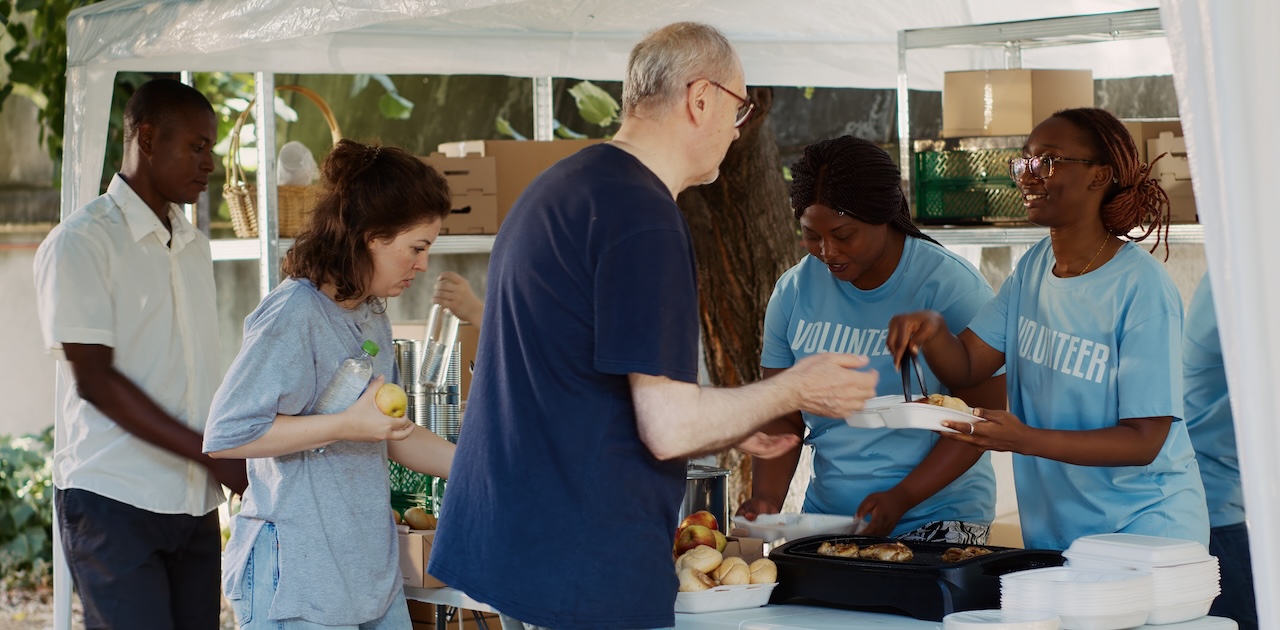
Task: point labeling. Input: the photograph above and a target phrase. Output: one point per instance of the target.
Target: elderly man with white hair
(570, 469)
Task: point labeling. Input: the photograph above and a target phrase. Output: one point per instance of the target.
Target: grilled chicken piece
(843, 550)
(888, 552)
(956, 554)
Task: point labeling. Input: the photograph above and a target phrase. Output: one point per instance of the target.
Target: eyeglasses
(744, 110)
(1040, 166)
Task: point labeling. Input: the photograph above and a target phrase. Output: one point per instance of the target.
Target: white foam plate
(1137, 551)
(892, 412)
(724, 598)
(1161, 615)
(773, 527)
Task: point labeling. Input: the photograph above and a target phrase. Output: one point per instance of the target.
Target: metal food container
(706, 488)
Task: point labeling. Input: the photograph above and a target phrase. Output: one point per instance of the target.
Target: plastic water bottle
(295, 166)
(348, 382)
(441, 333)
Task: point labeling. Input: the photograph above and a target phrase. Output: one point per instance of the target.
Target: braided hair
(1134, 198)
(855, 178)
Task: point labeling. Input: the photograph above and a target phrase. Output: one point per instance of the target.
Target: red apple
(694, 535)
(701, 517)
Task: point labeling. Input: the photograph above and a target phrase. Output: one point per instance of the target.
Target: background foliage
(26, 509)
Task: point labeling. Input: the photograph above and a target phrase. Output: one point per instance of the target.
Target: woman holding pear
(315, 521)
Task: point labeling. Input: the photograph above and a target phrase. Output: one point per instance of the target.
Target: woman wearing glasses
(868, 262)
(1088, 327)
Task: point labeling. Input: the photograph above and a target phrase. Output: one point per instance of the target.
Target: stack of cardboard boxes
(487, 176)
(1164, 136)
(1008, 104)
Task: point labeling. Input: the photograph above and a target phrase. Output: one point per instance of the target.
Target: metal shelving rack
(1013, 38)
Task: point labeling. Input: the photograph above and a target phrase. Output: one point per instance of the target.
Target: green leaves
(504, 128)
(26, 506)
(594, 104)
(392, 106)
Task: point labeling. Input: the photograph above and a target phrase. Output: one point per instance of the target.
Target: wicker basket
(293, 203)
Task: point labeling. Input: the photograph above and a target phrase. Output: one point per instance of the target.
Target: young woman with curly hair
(1088, 328)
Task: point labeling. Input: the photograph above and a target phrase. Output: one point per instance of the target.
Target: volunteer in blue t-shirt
(868, 262)
(1213, 435)
(1089, 329)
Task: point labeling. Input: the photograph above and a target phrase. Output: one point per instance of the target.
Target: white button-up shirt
(109, 275)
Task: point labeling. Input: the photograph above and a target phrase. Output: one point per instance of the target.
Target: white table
(789, 617)
(445, 598)
(784, 617)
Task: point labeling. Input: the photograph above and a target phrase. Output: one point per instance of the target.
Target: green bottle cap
(370, 347)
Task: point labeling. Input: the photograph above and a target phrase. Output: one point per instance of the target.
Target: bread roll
(738, 573)
(764, 571)
(692, 580)
(702, 558)
(729, 563)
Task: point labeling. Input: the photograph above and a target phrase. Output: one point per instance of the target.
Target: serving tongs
(910, 361)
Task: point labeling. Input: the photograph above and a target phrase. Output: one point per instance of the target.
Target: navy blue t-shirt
(556, 512)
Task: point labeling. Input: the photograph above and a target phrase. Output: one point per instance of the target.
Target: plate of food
(892, 412)
(774, 527)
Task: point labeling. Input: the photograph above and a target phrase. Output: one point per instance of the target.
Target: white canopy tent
(1221, 54)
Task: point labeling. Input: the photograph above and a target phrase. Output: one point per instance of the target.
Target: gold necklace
(1095, 256)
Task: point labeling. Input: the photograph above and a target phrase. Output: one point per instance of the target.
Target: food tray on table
(924, 587)
(724, 598)
(893, 412)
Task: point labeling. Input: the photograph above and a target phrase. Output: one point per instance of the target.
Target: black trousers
(139, 570)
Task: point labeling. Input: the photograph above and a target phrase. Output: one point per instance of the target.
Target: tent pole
(264, 87)
(904, 123)
(543, 117)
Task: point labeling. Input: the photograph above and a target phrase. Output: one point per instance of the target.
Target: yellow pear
(418, 518)
(391, 400)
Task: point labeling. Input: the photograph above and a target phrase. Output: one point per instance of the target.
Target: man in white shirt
(127, 307)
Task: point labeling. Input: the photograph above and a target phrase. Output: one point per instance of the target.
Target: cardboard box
(1144, 129)
(1173, 171)
(466, 174)
(1174, 164)
(1182, 200)
(469, 336)
(472, 213)
(415, 551)
(518, 162)
(1009, 102)
(473, 184)
(749, 549)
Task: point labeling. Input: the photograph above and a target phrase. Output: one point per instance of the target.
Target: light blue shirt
(337, 548)
(811, 311)
(1083, 353)
(1209, 410)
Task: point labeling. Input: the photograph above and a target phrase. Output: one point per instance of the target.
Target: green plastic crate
(409, 488)
(950, 201)
(984, 165)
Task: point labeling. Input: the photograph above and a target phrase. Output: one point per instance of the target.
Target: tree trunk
(745, 236)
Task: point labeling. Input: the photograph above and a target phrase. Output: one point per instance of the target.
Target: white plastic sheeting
(835, 43)
(1225, 58)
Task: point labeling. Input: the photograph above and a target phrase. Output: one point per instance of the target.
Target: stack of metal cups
(445, 415)
(409, 361)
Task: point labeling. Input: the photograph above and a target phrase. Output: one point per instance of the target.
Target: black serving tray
(924, 588)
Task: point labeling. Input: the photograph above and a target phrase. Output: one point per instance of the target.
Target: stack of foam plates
(1082, 599)
(1185, 578)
